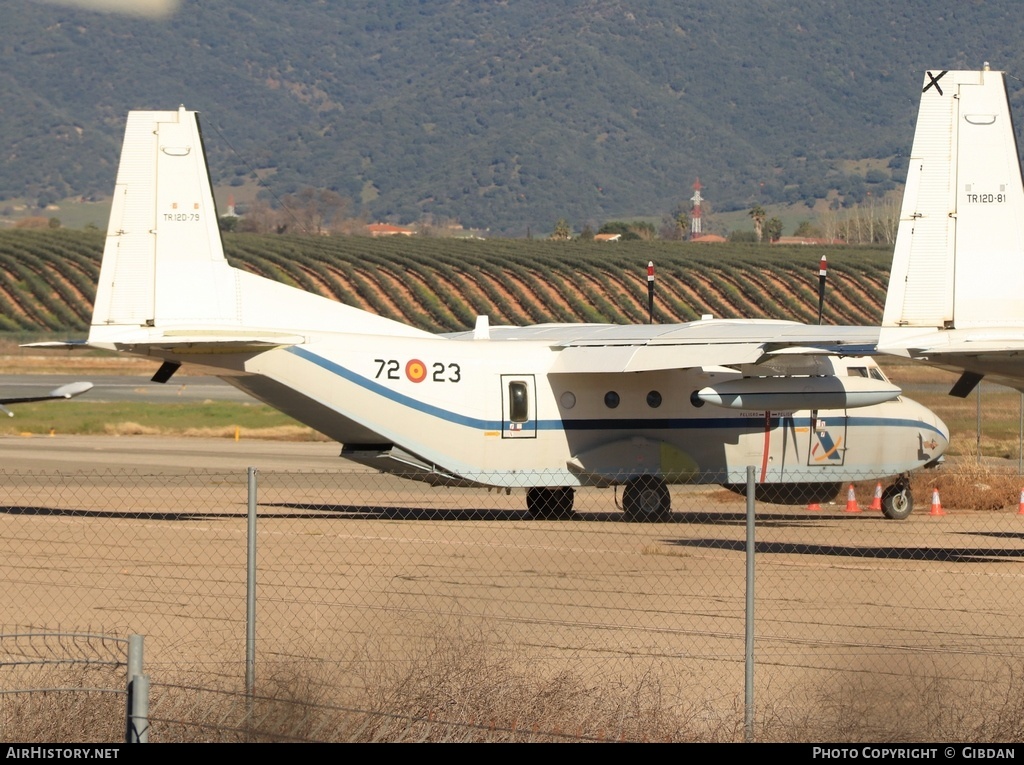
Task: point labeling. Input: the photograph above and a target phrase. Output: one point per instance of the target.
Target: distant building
(607, 237)
(386, 229)
(710, 238)
(807, 240)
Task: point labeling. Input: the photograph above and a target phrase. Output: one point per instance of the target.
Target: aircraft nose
(935, 440)
(932, 432)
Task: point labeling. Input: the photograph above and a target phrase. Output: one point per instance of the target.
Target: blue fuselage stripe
(601, 423)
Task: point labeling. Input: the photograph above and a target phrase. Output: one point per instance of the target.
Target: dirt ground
(150, 536)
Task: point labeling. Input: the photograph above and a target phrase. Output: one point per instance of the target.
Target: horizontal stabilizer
(70, 345)
(64, 391)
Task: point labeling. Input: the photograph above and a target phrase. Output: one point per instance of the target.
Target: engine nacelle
(785, 393)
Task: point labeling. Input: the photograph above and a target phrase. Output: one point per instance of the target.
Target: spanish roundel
(416, 370)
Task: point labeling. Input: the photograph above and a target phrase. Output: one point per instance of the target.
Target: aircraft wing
(607, 348)
(65, 391)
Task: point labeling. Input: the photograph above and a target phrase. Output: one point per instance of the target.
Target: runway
(66, 453)
(121, 388)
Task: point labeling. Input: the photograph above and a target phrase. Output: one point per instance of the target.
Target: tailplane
(958, 263)
(164, 276)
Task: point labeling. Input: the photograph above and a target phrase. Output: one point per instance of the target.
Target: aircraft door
(518, 406)
(828, 438)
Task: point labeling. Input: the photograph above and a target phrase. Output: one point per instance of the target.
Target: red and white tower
(695, 213)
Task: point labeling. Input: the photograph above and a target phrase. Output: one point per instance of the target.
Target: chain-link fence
(381, 583)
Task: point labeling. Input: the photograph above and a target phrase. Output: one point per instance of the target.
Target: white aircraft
(956, 288)
(546, 408)
(64, 391)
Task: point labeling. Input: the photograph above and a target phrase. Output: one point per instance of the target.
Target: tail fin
(163, 230)
(958, 262)
(164, 273)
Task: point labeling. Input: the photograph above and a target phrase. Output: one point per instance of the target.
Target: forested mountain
(507, 115)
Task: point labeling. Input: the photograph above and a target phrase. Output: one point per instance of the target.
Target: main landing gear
(550, 504)
(646, 498)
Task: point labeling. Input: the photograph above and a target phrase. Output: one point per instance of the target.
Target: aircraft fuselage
(487, 412)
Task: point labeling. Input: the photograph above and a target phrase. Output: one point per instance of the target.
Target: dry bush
(969, 483)
(63, 704)
(129, 429)
(928, 706)
(294, 701)
(464, 687)
(277, 433)
(461, 687)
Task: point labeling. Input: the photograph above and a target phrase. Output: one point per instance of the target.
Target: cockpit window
(875, 373)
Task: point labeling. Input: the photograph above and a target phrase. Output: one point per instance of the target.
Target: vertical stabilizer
(164, 272)
(163, 231)
(958, 262)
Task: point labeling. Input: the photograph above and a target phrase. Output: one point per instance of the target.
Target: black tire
(647, 499)
(550, 504)
(897, 501)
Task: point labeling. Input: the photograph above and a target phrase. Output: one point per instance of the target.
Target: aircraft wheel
(550, 504)
(647, 498)
(897, 501)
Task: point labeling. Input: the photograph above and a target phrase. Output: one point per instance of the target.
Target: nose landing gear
(898, 500)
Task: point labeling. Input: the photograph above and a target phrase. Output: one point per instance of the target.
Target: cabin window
(568, 399)
(654, 399)
(518, 402)
(696, 400)
(876, 374)
(611, 399)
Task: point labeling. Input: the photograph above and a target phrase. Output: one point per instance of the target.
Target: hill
(506, 116)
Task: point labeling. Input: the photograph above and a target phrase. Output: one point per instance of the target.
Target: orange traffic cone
(1020, 507)
(876, 501)
(851, 501)
(936, 503)
(816, 507)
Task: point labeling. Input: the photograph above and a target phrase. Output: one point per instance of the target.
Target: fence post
(748, 659)
(140, 709)
(137, 706)
(250, 590)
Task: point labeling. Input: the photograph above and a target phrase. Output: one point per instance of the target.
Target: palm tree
(758, 214)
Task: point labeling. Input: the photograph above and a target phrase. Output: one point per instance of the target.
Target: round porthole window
(611, 399)
(654, 399)
(568, 399)
(696, 400)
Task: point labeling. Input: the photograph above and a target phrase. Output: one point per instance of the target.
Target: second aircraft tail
(959, 256)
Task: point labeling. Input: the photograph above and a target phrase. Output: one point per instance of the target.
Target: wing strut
(968, 381)
(166, 370)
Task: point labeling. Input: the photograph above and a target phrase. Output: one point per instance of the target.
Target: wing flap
(589, 359)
